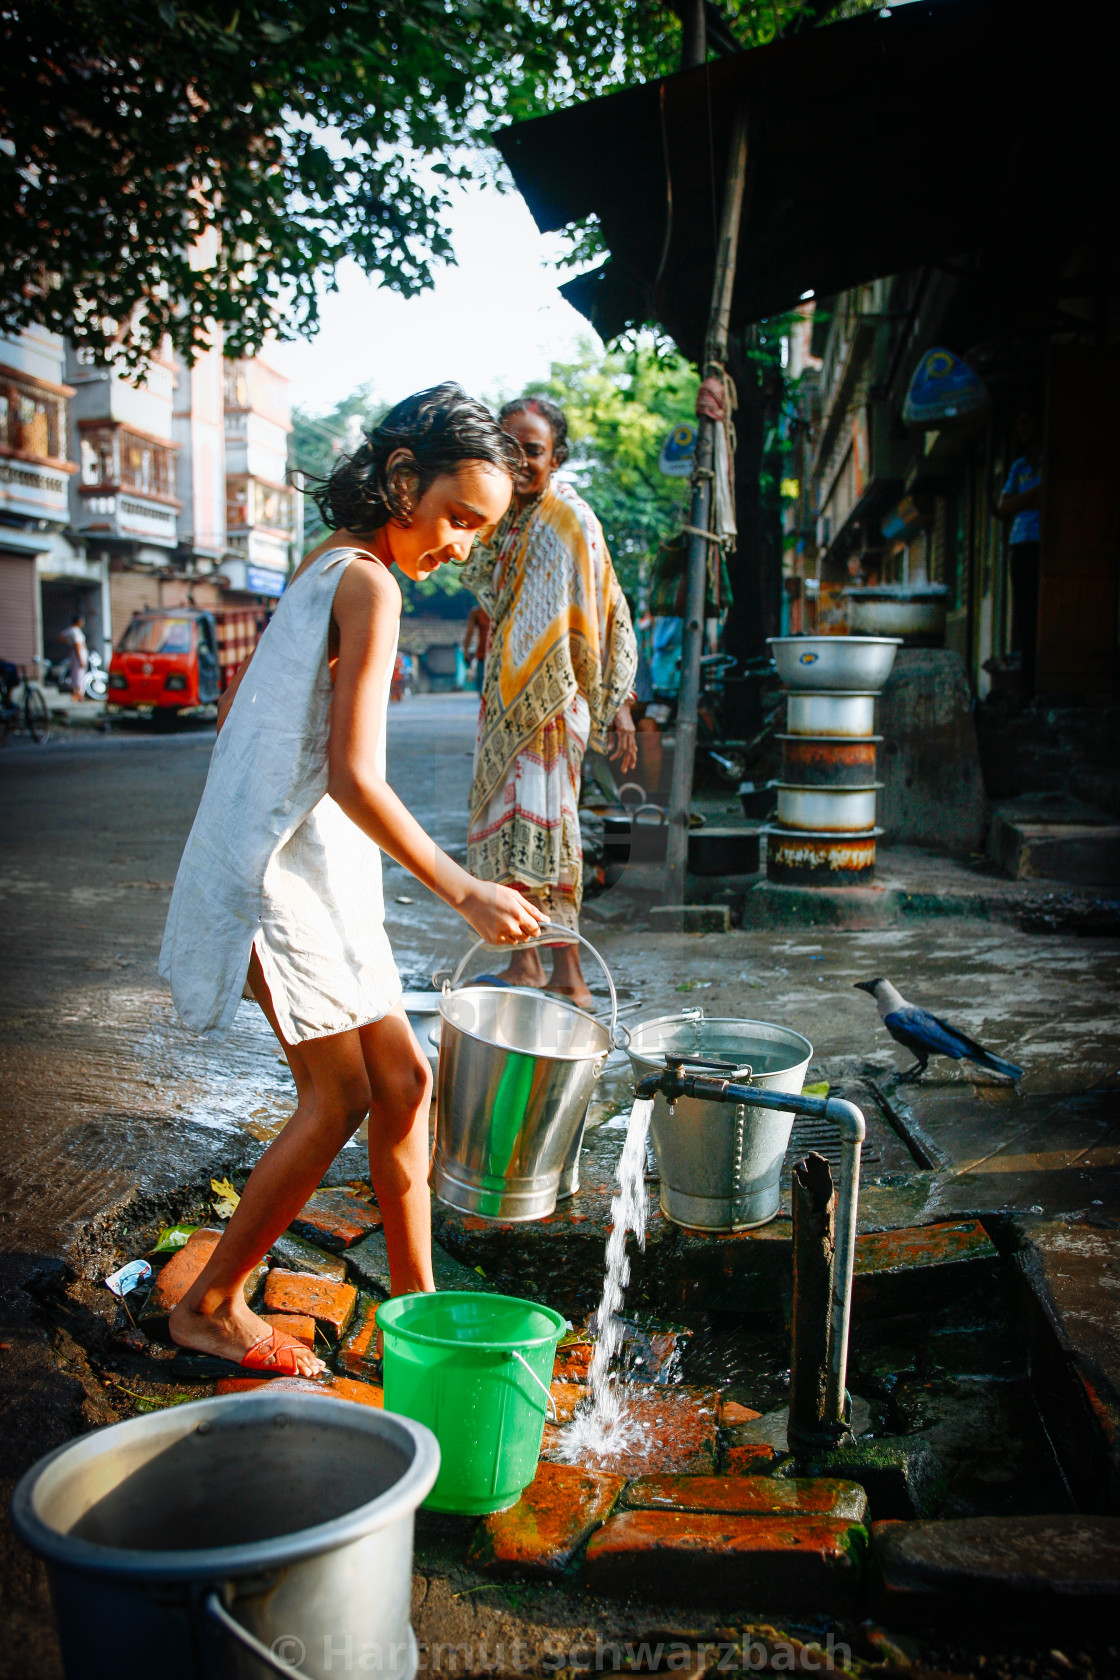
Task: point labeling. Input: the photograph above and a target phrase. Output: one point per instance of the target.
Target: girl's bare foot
(228, 1332)
(567, 977)
(579, 995)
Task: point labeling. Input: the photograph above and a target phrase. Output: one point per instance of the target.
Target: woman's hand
(500, 915)
(624, 745)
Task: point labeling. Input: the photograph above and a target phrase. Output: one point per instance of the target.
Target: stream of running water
(601, 1425)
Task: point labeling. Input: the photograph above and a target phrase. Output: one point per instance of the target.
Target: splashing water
(601, 1425)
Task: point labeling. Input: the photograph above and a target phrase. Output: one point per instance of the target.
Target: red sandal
(274, 1355)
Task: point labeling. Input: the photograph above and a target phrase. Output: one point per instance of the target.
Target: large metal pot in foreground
(266, 1532)
(720, 1165)
(853, 663)
(516, 1073)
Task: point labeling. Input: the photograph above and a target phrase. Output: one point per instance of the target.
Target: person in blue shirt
(1021, 502)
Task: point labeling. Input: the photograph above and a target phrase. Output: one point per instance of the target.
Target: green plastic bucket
(476, 1369)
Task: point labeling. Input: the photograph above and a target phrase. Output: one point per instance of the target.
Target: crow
(925, 1036)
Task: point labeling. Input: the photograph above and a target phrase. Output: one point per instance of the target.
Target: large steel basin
(854, 663)
(845, 716)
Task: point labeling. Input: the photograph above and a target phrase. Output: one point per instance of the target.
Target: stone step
(1065, 841)
(1023, 1566)
(753, 1562)
(540, 1536)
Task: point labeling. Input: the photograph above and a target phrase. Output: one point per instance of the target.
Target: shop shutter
(17, 609)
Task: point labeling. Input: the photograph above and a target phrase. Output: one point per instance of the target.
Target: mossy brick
(675, 1430)
(335, 1220)
(748, 1496)
(919, 1266)
(296, 1254)
(330, 1304)
(298, 1325)
(357, 1352)
(566, 1396)
(757, 1458)
(731, 1413)
(1027, 1567)
(177, 1277)
(541, 1535)
(802, 1564)
(363, 1393)
(368, 1264)
(901, 1475)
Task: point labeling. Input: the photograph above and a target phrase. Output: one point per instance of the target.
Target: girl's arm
(366, 611)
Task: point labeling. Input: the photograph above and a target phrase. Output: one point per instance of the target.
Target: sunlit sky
(493, 322)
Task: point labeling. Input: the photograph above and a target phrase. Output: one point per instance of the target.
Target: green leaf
(171, 1238)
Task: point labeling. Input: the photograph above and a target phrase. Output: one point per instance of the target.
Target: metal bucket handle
(217, 1612)
(555, 936)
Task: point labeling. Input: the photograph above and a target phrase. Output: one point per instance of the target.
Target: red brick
(731, 1413)
(364, 1393)
(335, 1219)
(573, 1360)
(566, 1396)
(678, 1431)
(752, 1460)
(336, 1388)
(358, 1350)
(294, 1324)
(178, 1275)
(330, 1304)
(779, 1563)
(749, 1496)
(541, 1534)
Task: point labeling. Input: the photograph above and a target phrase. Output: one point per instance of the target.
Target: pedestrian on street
(476, 639)
(559, 678)
(1021, 502)
(75, 639)
(281, 875)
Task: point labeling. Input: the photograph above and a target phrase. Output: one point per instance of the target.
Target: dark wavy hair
(556, 418)
(442, 428)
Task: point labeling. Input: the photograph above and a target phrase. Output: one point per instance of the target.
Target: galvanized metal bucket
(517, 1068)
(238, 1536)
(720, 1163)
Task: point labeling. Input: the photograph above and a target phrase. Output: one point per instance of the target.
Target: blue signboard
(678, 449)
(943, 388)
(260, 581)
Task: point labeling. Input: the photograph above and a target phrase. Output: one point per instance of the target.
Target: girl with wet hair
(559, 674)
(280, 881)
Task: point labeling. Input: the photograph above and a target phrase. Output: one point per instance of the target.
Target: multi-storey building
(120, 492)
(263, 513)
(35, 470)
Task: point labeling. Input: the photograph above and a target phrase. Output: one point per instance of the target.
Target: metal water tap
(674, 1082)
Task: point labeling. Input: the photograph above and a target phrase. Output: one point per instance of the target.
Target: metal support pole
(694, 34)
(813, 1210)
(715, 350)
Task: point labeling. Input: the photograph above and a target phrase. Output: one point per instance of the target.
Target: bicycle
(29, 711)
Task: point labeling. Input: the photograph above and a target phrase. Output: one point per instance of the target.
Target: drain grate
(822, 1137)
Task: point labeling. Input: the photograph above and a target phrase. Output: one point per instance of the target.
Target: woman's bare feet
(525, 969)
(567, 977)
(228, 1331)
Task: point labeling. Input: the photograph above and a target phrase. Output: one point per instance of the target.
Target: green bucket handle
(555, 936)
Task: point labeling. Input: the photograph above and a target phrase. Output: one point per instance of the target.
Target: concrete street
(113, 1116)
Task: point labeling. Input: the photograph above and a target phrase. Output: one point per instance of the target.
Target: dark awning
(876, 144)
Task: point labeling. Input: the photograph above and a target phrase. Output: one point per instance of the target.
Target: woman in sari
(559, 675)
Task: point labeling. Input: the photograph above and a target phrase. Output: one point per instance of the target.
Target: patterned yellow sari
(561, 662)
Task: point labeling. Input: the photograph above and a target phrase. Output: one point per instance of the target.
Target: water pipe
(673, 1082)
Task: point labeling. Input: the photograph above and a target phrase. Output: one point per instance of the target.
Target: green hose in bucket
(476, 1369)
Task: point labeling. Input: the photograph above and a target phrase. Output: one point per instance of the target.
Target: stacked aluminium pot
(825, 833)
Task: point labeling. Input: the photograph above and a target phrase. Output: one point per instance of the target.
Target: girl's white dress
(271, 860)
